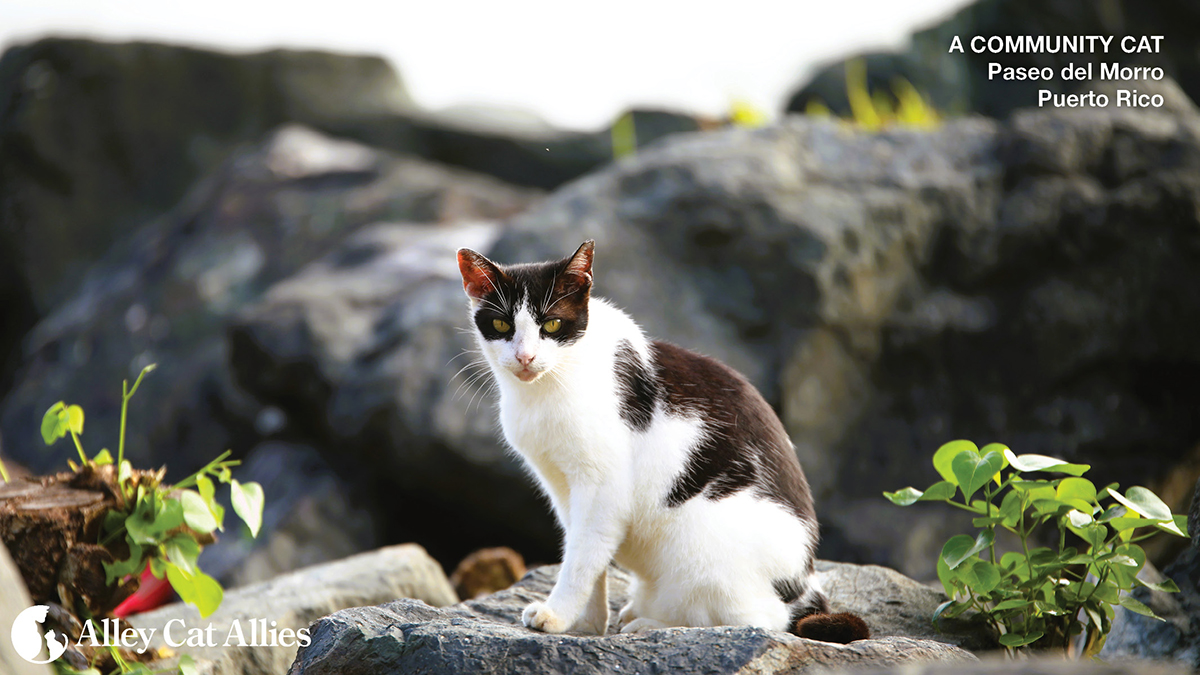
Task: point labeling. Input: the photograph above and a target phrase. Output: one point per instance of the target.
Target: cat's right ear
(479, 274)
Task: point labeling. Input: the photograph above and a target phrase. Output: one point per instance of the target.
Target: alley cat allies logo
(27, 640)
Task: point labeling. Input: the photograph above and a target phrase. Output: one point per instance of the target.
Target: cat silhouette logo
(27, 639)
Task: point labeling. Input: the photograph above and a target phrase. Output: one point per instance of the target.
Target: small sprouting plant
(874, 111)
(1042, 596)
(161, 524)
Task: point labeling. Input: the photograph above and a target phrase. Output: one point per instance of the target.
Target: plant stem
(187, 482)
(78, 446)
(124, 411)
(987, 498)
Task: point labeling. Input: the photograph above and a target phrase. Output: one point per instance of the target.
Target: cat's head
(527, 315)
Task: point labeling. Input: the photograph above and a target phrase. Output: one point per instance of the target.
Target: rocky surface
(311, 516)
(1034, 666)
(1176, 638)
(959, 82)
(292, 601)
(1021, 282)
(14, 599)
(166, 295)
(486, 636)
(97, 138)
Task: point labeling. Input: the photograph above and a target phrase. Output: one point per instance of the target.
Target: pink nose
(525, 359)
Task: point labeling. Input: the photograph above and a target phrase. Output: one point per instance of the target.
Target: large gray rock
(959, 82)
(1032, 666)
(14, 599)
(295, 600)
(96, 139)
(1177, 637)
(486, 634)
(361, 348)
(167, 295)
(695, 237)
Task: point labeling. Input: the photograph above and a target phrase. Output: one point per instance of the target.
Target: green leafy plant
(1041, 597)
(157, 523)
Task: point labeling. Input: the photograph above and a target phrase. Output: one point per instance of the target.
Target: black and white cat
(665, 461)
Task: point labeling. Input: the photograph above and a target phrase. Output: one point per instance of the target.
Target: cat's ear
(579, 268)
(479, 274)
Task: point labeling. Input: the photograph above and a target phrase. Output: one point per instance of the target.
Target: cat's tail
(811, 619)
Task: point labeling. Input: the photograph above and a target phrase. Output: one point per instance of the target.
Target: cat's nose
(524, 359)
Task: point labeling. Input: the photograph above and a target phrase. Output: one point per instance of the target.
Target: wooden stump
(50, 528)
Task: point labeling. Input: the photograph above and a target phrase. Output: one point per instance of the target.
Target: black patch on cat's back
(636, 386)
(744, 445)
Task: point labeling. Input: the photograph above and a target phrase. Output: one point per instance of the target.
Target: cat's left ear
(479, 274)
(579, 268)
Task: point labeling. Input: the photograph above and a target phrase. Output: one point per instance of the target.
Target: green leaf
(102, 458)
(248, 504)
(962, 546)
(949, 610)
(158, 567)
(946, 576)
(199, 589)
(75, 419)
(1025, 463)
(1010, 508)
(54, 423)
(1077, 488)
(1166, 586)
(944, 457)
(973, 470)
(196, 513)
(1176, 526)
(1015, 603)
(1128, 523)
(939, 491)
(905, 497)
(209, 594)
(1134, 605)
(182, 550)
(1078, 518)
(1114, 511)
(1126, 575)
(982, 577)
(1012, 640)
(187, 665)
(124, 568)
(1145, 502)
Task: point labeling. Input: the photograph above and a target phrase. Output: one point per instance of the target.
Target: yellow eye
(501, 325)
(552, 326)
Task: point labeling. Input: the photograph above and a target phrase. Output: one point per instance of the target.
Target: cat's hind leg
(595, 614)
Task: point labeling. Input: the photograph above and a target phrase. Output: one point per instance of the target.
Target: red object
(152, 592)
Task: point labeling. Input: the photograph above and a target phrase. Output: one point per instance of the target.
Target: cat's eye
(501, 325)
(552, 325)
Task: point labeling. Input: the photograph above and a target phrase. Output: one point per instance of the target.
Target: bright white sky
(576, 63)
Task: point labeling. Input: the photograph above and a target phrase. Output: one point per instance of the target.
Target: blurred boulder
(486, 571)
(289, 603)
(1053, 323)
(14, 599)
(1026, 283)
(515, 151)
(959, 82)
(696, 237)
(165, 295)
(408, 636)
(311, 516)
(1177, 637)
(361, 350)
(97, 138)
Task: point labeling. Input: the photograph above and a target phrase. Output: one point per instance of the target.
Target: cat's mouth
(527, 375)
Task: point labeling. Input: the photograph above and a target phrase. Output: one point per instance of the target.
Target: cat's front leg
(579, 599)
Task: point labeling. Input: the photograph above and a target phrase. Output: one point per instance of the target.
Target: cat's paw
(539, 616)
(641, 625)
